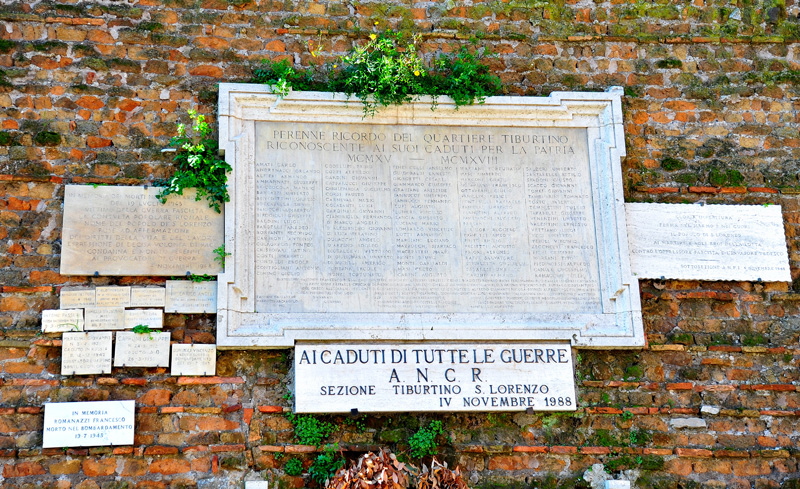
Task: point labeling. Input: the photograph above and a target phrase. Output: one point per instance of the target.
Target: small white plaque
(152, 318)
(88, 424)
(86, 353)
(77, 298)
(142, 349)
(147, 296)
(58, 320)
(710, 242)
(194, 359)
(113, 296)
(104, 318)
(189, 297)
(445, 377)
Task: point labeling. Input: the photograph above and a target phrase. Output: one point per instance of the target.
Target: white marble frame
(239, 326)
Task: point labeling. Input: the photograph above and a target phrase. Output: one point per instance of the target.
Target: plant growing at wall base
(325, 465)
(423, 442)
(198, 164)
(293, 466)
(310, 430)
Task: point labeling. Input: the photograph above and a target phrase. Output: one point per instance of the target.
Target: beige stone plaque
(189, 297)
(104, 318)
(152, 318)
(59, 320)
(194, 359)
(708, 242)
(116, 230)
(86, 353)
(148, 296)
(113, 296)
(141, 349)
(77, 298)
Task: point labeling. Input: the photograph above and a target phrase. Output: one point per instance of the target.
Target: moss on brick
(47, 138)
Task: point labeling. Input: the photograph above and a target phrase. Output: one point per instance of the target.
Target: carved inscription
(371, 218)
(86, 353)
(193, 359)
(407, 377)
(711, 242)
(127, 231)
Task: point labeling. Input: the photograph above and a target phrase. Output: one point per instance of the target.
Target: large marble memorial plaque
(434, 376)
(142, 349)
(499, 221)
(86, 353)
(88, 424)
(708, 242)
(116, 230)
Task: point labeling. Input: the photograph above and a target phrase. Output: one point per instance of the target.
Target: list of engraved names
(392, 219)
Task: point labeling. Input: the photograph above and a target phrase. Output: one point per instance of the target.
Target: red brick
(160, 450)
(90, 102)
(97, 142)
(270, 409)
(530, 449)
(693, 452)
(156, 397)
(206, 70)
(170, 466)
(22, 469)
(99, 467)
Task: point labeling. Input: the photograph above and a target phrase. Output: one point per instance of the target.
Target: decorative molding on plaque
(572, 283)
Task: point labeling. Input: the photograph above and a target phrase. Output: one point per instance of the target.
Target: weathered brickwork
(91, 91)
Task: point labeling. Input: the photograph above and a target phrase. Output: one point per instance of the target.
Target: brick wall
(90, 92)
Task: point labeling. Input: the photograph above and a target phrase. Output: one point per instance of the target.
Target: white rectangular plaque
(59, 320)
(113, 296)
(142, 349)
(708, 242)
(104, 318)
(152, 318)
(88, 424)
(194, 359)
(126, 231)
(76, 298)
(189, 297)
(434, 376)
(148, 296)
(86, 353)
(497, 221)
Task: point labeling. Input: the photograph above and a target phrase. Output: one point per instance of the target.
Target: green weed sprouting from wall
(309, 430)
(325, 465)
(198, 164)
(386, 71)
(423, 442)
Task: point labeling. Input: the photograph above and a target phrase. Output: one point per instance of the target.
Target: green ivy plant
(293, 466)
(423, 442)
(388, 71)
(325, 465)
(144, 329)
(220, 254)
(310, 430)
(198, 164)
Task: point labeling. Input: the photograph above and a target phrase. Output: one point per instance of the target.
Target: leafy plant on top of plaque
(144, 329)
(388, 70)
(198, 164)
